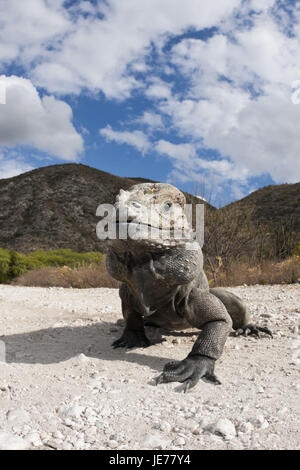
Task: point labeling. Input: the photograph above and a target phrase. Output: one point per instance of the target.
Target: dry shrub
(95, 275)
(268, 272)
(88, 276)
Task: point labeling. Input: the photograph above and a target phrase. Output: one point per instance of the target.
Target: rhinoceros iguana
(163, 282)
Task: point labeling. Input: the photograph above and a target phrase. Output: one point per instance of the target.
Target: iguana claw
(252, 330)
(132, 339)
(189, 371)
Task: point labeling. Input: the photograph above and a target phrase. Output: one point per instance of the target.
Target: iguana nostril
(135, 204)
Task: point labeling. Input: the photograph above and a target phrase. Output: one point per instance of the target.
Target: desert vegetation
(14, 264)
(239, 251)
(85, 276)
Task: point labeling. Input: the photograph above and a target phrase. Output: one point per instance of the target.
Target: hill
(273, 205)
(55, 206)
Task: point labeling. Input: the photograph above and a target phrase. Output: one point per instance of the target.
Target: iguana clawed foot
(189, 371)
(132, 339)
(252, 330)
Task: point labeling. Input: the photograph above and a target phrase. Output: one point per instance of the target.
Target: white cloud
(237, 100)
(158, 90)
(230, 93)
(181, 152)
(43, 123)
(137, 139)
(151, 120)
(93, 45)
(10, 167)
(28, 27)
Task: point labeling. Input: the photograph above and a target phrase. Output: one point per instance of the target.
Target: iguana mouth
(151, 235)
(143, 224)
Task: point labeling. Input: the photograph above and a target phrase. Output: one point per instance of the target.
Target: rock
(58, 435)
(73, 411)
(197, 431)
(82, 358)
(180, 441)
(9, 441)
(165, 426)
(296, 344)
(225, 428)
(18, 416)
(254, 441)
(246, 428)
(260, 422)
(154, 441)
(283, 411)
(205, 423)
(235, 444)
(113, 444)
(34, 439)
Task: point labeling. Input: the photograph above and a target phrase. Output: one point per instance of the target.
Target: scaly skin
(163, 282)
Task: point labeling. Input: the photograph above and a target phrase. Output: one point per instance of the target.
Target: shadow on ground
(54, 345)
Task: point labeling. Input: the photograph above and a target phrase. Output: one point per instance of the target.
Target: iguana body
(163, 282)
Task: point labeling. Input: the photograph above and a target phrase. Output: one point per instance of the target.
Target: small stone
(9, 441)
(113, 444)
(197, 431)
(283, 411)
(180, 441)
(260, 422)
(254, 441)
(73, 411)
(154, 441)
(58, 435)
(205, 423)
(17, 416)
(82, 358)
(246, 428)
(34, 439)
(165, 426)
(225, 428)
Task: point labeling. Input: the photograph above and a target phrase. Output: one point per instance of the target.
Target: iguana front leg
(134, 335)
(207, 312)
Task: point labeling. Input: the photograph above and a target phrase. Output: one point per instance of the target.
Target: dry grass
(268, 272)
(93, 275)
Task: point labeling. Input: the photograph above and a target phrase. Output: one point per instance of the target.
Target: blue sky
(203, 95)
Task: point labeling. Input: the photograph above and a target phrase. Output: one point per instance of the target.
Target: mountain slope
(55, 207)
(274, 205)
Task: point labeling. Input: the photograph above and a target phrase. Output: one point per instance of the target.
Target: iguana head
(152, 214)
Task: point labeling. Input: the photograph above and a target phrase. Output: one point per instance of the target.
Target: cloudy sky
(204, 94)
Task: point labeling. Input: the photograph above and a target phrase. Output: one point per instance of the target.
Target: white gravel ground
(63, 386)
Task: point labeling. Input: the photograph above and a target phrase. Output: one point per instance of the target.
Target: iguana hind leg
(236, 308)
(239, 313)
